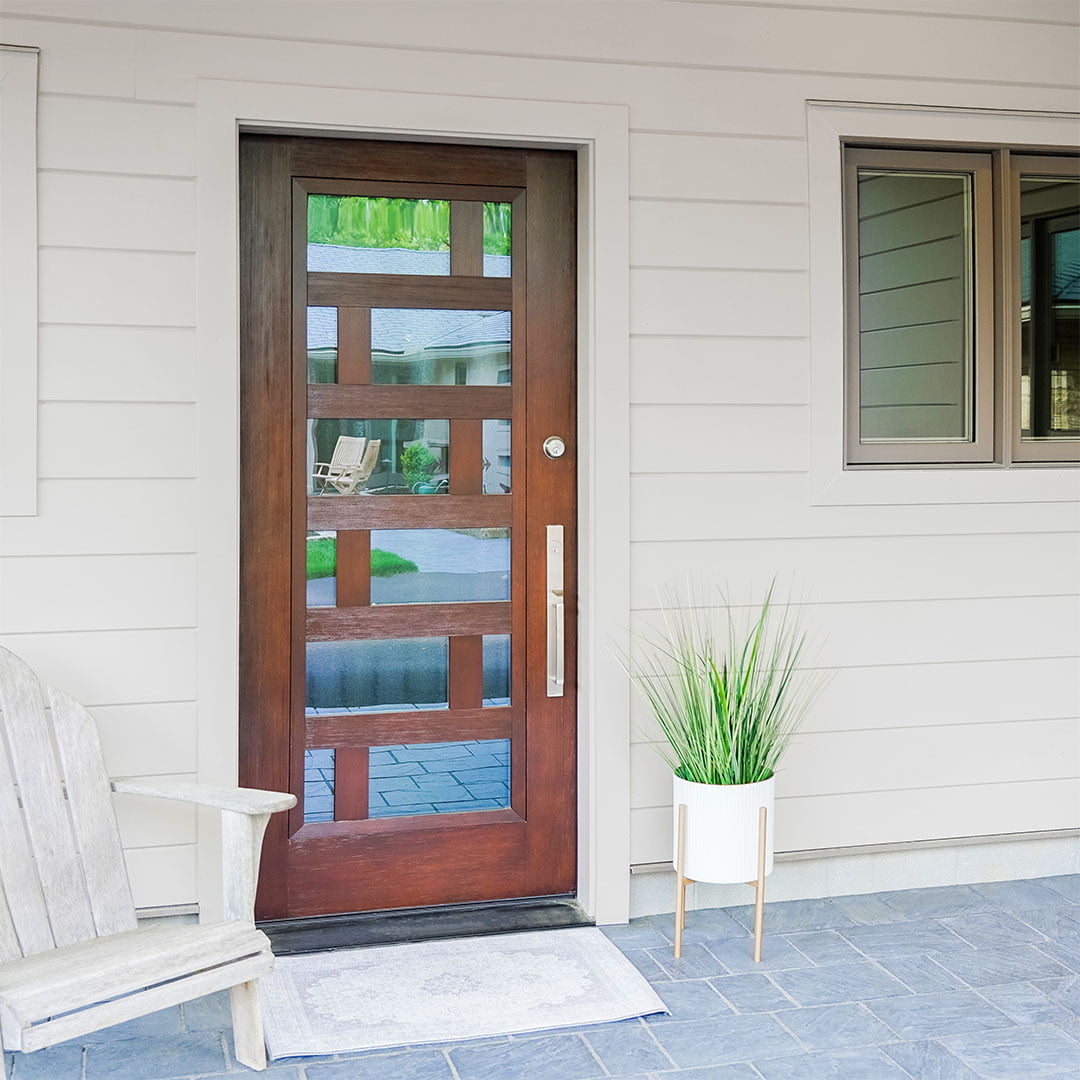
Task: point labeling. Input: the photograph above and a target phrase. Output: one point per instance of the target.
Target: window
(962, 287)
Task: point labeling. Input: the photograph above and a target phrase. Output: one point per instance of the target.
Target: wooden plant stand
(682, 881)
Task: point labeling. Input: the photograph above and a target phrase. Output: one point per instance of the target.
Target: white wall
(955, 627)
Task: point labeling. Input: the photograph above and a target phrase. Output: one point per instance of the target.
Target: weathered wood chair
(72, 960)
(343, 464)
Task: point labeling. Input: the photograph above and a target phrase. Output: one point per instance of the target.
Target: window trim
(1048, 451)
(980, 448)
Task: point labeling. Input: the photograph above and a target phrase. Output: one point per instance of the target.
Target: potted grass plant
(729, 689)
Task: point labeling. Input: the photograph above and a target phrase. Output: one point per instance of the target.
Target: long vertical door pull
(556, 613)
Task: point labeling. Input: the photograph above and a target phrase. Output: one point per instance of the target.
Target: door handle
(556, 613)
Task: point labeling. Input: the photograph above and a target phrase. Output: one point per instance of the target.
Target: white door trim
(600, 134)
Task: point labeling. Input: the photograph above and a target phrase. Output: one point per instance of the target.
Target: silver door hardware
(554, 447)
(556, 613)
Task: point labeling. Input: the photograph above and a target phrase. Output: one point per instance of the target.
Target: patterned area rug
(441, 991)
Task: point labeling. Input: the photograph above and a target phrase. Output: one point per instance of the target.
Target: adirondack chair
(72, 959)
(345, 479)
(344, 462)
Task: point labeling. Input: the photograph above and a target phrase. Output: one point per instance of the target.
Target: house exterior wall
(954, 625)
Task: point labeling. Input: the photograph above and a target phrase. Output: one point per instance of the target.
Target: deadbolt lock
(554, 447)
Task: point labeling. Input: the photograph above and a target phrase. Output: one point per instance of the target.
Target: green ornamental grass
(729, 692)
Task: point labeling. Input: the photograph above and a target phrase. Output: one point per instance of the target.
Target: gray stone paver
(942, 1026)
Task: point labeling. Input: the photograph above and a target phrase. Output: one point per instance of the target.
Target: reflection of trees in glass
(414, 224)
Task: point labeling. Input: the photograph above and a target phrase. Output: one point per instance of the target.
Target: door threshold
(321, 934)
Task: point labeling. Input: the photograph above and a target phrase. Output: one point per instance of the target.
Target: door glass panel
(322, 569)
(1049, 308)
(447, 565)
(496, 670)
(322, 344)
(384, 675)
(429, 347)
(356, 234)
(319, 785)
(497, 239)
(916, 249)
(496, 442)
(439, 778)
(384, 457)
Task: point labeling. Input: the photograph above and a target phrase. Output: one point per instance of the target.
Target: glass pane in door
(429, 347)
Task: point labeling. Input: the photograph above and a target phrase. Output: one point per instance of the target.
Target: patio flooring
(967, 982)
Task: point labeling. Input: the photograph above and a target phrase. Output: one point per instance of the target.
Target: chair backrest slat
(44, 807)
(20, 889)
(93, 817)
(9, 940)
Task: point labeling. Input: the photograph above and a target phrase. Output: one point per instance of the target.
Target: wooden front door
(407, 646)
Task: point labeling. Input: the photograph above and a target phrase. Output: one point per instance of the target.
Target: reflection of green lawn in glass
(322, 560)
(366, 222)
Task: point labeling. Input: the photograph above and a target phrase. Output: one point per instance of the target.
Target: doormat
(442, 991)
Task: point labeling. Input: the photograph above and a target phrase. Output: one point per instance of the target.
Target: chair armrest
(245, 814)
(239, 800)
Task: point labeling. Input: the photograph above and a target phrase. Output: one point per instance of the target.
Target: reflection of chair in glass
(353, 461)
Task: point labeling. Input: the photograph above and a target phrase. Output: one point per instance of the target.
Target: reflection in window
(388, 674)
(1049, 308)
(430, 347)
(496, 442)
(497, 239)
(381, 457)
(354, 234)
(915, 297)
(439, 778)
(318, 785)
(322, 344)
(447, 565)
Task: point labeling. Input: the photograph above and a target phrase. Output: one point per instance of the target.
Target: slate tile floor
(969, 982)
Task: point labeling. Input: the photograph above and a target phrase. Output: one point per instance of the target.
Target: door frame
(600, 135)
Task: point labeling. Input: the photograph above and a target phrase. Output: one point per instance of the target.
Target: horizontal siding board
(883, 817)
(126, 288)
(78, 59)
(916, 632)
(973, 693)
(717, 167)
(719, 235)
(84, 439)
(674, 302)
(777, 506)
(99, 517)
(97, 592)
(716, 438)
(117, 667)
(116, 137)
(849, 762)
(705, 34)
(162, 876)
(137, 213)
(921, 384)
(148, 739)
(936, 343)
(117, 363)
(722, 371)
(864, 569)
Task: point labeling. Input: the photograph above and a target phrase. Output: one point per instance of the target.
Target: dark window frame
(994, 311)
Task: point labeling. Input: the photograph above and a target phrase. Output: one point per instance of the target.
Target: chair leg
(248, 1025)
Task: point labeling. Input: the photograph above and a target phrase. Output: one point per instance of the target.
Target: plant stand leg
(759, 885)
(681, 881)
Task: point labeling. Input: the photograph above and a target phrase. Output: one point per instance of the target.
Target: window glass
(915, 301)
(429, 347)
(1049, 307)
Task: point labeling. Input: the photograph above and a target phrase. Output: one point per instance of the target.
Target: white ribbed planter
(722, 829)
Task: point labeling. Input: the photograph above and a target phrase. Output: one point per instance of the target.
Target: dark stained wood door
(408, 344)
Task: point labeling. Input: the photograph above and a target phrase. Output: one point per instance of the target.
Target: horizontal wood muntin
(330, 401)
(408, 621)
(313, 833)
(410, 511)
(321, 185)
(395, 162)
(328, 289)
(395, 728)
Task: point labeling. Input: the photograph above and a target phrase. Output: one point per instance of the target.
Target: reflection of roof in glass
(406, 330)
